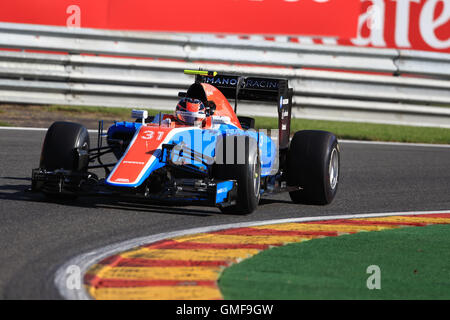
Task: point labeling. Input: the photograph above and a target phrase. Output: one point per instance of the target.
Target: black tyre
(59, 151)
(247, 122)
(313, 164)
(60, 145)
(237, 159)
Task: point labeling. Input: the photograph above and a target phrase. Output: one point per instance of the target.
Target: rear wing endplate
(255, 89)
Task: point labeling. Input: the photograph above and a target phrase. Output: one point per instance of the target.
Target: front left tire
(245, 168)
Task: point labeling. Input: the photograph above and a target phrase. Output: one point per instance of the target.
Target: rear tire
(313, 164)
(247, 171)
(247, 122)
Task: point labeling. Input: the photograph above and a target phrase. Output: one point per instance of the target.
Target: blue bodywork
(203, 143)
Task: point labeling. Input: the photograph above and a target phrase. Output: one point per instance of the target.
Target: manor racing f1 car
(220, 161)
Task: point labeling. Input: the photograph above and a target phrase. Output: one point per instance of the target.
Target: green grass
(4, 124)
(366, 131)
(343, 130)
(107, 111)
(414, 263)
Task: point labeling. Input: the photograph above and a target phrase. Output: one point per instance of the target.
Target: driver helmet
(190, 111)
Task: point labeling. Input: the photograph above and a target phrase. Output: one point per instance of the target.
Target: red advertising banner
(306, 17)
(405, 24)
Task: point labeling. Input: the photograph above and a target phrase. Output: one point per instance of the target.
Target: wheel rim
(257, 178)
(333, 169)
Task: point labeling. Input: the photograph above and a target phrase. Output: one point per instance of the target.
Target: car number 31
(149, 134)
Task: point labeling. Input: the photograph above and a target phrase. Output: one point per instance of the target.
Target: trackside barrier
(410, 88)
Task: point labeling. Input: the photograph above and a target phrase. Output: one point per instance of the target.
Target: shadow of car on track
(22, 192)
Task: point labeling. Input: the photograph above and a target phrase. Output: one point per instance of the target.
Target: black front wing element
(187, 191)
(59, 181)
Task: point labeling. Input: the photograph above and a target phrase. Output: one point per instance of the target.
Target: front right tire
(60, 151)
(60, 143)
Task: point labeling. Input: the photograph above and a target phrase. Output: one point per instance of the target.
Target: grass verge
(414, 264)
(45, 115)
(106, 111)
(366, 131)
(344, 130)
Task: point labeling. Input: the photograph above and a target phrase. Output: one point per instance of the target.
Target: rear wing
(239, 87)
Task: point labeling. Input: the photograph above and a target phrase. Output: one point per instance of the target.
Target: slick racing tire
(245, 168)
(60, 144)
(313, 165)
(59, 150)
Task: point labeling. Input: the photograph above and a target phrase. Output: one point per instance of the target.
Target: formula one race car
(203, 154)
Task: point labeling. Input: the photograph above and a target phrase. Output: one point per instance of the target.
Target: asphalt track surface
(38, 236)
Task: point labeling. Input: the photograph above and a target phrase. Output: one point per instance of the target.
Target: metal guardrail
(77, 79)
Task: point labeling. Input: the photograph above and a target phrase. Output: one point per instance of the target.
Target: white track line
(23, 128)
(341, 141)
(390, 143)
(84, 261)
(35, 129)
